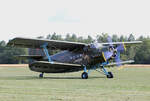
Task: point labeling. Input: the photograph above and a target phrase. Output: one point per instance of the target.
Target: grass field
(21, 84)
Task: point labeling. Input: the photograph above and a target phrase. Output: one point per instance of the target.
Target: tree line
(140, 53)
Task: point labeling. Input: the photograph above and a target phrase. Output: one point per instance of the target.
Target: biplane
(74, 56)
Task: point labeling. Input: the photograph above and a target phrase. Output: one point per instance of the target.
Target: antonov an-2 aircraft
(74, 56)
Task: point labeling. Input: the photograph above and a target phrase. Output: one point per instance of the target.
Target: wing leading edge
(126, 43)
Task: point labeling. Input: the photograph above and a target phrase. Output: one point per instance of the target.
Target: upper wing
(51, 44)
(126, 43)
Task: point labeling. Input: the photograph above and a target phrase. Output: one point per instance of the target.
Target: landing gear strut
(108, 74)
(41, 75)
(84, 75)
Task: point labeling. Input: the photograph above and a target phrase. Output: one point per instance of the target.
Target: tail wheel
(84, 75)
(41, 75)
(110, 75)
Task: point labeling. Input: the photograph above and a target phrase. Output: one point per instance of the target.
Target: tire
(41, 75)
(110, 75)
(84, 75)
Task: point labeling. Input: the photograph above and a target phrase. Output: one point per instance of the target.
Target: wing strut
(44, 46)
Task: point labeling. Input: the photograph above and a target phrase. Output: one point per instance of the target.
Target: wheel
(110, 75)
(84, 75)
(41, 75)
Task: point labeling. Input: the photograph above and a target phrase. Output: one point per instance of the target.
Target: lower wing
(35, 57)
(117, 63)
(54, 67)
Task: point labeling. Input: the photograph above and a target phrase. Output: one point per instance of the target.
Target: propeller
(121, 48)
(108, 55)
(114, 52)
(109, 41)
(118, 60)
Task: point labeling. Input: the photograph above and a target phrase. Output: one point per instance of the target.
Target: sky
(33, 18)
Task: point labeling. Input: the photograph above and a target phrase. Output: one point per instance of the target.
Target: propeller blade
(121, 48)
(108, 55)
(109, 40)
(118, 60)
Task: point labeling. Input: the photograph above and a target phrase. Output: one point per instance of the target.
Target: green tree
(123, 38)
(48, 36)
(102, 38)
(115, 38)
(88, 40)
(131, 38)
(8, 54)
(143, 53)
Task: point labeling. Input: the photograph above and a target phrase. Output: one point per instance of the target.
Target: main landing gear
(103, 71)
(110, 75)
(84, 75)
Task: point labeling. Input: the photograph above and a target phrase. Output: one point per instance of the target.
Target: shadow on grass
(37, 78)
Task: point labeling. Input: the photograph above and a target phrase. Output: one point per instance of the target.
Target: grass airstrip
(18, 83)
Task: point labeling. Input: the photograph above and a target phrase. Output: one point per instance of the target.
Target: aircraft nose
(107, 55)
